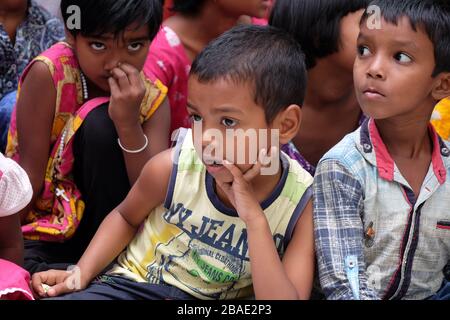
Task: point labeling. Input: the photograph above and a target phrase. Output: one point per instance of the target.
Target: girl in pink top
(183, 35)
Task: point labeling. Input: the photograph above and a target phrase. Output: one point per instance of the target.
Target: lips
(372, 92)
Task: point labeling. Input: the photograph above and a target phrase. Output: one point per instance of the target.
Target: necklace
(84, 86)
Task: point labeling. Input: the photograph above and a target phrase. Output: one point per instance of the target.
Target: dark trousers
(119, 288)
(100, 174)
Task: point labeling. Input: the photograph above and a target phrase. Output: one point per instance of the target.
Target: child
(26, 30)
(381, 195)
(327, 31)
(210, 229)
(15, 193)
(184, 35)
(82, 124)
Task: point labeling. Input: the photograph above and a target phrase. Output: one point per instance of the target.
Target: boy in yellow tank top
(219, 216)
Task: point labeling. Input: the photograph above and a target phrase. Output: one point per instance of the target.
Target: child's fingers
(47, 278)
(59, 289)
(237, 174)
(132, 73)
(36, 284)
(113, 86)
(121, 77)
(224, 186)
(253, 172)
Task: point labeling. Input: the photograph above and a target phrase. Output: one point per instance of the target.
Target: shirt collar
(376, 152)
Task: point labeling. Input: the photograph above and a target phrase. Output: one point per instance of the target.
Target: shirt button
(9, 84)
(367, 146)
(445, 150)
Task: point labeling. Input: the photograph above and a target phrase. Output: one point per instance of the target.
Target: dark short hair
(114, 16)
(432, 16)
(267, 58)
(187, 7)
(315, 24)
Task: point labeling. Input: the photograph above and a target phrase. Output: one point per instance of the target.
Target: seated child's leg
(99, 172)
(6, 108)
(118, 288)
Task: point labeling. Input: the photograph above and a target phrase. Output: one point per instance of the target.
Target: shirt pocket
(442, 229)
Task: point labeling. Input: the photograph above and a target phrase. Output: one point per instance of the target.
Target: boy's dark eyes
(363, 51)
(227, 122)
(402, 57)
(195, 117)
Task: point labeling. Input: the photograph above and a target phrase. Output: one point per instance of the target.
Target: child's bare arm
(117, 230)
(291, 278)
(157, 128)
(35, 113)
(127, 92)
(11, 242)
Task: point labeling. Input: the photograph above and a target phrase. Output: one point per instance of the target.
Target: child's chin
(223, 177)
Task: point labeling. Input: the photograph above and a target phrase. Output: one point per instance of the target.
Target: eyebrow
(227, 109)
(111, 37)
(137, 39)
(191, 106)
(224, 109)
(400, 43)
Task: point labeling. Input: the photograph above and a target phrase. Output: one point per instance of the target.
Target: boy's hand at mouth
(240, 191)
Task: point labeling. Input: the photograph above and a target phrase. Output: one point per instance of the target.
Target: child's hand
(240, 191)
(53, 283)
(127, 92)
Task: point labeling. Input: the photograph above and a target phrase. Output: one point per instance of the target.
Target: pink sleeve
(160, 60)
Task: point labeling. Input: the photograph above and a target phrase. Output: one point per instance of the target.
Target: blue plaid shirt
(36, 34)
(374, 238)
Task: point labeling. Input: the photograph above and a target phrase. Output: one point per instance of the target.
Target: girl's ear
(70, 38)
(441, 89)
(288, 123)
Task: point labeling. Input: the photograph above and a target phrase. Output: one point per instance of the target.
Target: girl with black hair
(86, 121)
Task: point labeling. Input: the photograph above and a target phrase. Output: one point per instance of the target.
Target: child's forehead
(130, 32)
(221, 94)
(223, 88)
(402, 30)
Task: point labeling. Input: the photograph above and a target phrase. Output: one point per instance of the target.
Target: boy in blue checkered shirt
(381, 196)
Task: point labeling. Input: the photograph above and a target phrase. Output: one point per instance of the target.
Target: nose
(376, 68)
(112, 60)
(211, 137)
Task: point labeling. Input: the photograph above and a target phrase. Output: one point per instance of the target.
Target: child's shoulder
(302, 176)
(346, 150)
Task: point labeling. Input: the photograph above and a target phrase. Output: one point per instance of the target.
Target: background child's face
(97, 56)
(393, 70)
(12, 4)
(253, 8)
(220, 105)
(349, 29)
